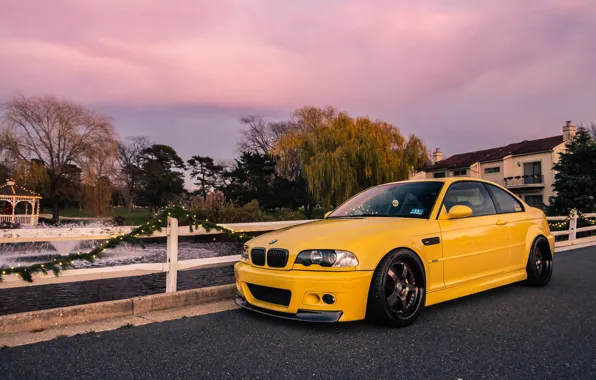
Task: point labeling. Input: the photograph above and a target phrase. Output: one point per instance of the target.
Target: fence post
(172, 255)
(573, 227)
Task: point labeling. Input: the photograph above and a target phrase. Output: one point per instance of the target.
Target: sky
(461, 75)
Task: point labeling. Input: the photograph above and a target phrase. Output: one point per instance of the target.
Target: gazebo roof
(11, 189)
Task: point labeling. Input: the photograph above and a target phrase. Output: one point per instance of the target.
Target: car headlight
(327, 258)
(244, 254)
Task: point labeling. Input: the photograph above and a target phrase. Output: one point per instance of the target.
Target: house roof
(11, 189)
(465, 160)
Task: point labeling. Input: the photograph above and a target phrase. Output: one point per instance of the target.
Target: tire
(396, 305)
(540, 263)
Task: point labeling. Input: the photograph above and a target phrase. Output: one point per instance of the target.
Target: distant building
(524, 167)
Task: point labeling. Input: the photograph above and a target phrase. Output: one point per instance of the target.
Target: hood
(341, 233)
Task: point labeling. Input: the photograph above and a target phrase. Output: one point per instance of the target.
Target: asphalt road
(513, 332)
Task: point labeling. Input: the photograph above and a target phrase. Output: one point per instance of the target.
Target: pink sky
(463, 76)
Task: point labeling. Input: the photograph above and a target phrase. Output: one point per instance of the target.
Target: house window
(439, 175)
(459, 172)
(534, 201)
(492, 170)
(533, 172)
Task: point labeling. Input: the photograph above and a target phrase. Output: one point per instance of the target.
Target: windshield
(402, 200)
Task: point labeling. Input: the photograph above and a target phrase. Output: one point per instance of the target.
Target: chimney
(437, 155)
(568, 131)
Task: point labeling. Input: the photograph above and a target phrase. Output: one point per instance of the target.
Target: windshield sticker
(395, 203)
(417, 211)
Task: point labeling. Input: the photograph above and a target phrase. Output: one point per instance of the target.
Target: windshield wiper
(361, 216)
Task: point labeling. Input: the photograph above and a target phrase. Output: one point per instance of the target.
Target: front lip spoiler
(301, 315)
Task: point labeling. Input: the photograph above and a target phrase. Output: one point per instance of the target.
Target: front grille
(277, 258)
(257, 256)
(271, 295)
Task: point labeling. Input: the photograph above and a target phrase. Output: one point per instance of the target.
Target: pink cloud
(271, 53)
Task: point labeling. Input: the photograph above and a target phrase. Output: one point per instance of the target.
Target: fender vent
(431, 241)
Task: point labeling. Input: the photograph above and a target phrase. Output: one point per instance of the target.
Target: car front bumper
(303, 293)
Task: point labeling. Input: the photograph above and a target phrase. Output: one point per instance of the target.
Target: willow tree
(340, 155)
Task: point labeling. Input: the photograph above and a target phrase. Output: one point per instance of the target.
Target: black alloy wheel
(540, 264)
(401, 291)
(397, 292)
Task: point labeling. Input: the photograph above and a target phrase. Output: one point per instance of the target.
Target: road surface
(513, 332)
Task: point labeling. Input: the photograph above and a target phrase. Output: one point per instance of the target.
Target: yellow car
(392, 249)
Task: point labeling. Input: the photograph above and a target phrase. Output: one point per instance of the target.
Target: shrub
(216, 209)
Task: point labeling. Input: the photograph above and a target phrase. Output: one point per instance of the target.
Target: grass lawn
(134, 218)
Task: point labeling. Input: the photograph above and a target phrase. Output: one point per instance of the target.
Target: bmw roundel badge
(273, 241)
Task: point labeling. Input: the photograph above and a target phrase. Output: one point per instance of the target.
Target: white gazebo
(11, 195)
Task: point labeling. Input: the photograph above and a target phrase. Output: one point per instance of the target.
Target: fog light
(311, 299)
(328, 299)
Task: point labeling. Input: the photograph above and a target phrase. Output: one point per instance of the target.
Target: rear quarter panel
(539, 227)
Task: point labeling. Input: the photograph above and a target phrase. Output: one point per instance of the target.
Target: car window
(471, 194)
(505, 202)
(400, 200)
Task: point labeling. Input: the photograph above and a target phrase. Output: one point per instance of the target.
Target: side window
(505, 202)
(471, 194)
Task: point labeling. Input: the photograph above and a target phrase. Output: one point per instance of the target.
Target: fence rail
(172, 265)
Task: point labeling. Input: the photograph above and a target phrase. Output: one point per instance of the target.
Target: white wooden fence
(172, 265)
(573, 241)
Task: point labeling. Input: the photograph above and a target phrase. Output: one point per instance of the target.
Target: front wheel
(540, 264)
(397, 291)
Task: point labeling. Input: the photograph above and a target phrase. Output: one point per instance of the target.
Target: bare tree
(59, 134)
(130, 159)
(258, 137)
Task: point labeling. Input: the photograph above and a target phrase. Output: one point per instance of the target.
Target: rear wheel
(397, 291)
(540, 263)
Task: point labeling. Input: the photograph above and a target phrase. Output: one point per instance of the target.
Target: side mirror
(327, 214)
(459, 211)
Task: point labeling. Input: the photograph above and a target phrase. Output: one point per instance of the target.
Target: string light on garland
(155, 224)
(580, 216)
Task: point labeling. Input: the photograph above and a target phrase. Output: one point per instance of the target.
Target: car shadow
(429, 315)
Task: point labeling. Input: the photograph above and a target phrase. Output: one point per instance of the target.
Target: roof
(11, 189)
(465, 160)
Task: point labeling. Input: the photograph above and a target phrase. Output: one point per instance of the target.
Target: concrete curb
(43, 319)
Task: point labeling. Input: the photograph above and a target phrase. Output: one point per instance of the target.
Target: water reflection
(59, 295)
(42, 297)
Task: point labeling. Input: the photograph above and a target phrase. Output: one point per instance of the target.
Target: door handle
(501, 222)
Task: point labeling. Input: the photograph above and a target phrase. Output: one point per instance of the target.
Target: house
(525, 167)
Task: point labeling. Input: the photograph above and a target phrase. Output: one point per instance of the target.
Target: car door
(476, 246)
(512, 212)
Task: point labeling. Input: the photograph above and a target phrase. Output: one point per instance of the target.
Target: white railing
(21, 219)
(172, 265)
(572, 231)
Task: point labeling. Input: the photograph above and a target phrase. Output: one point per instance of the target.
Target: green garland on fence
(580, 216)
(155, 224)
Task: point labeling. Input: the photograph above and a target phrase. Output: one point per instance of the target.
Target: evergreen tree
(206, 174)
(254, 177)
(161, 183)
(575, 176)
